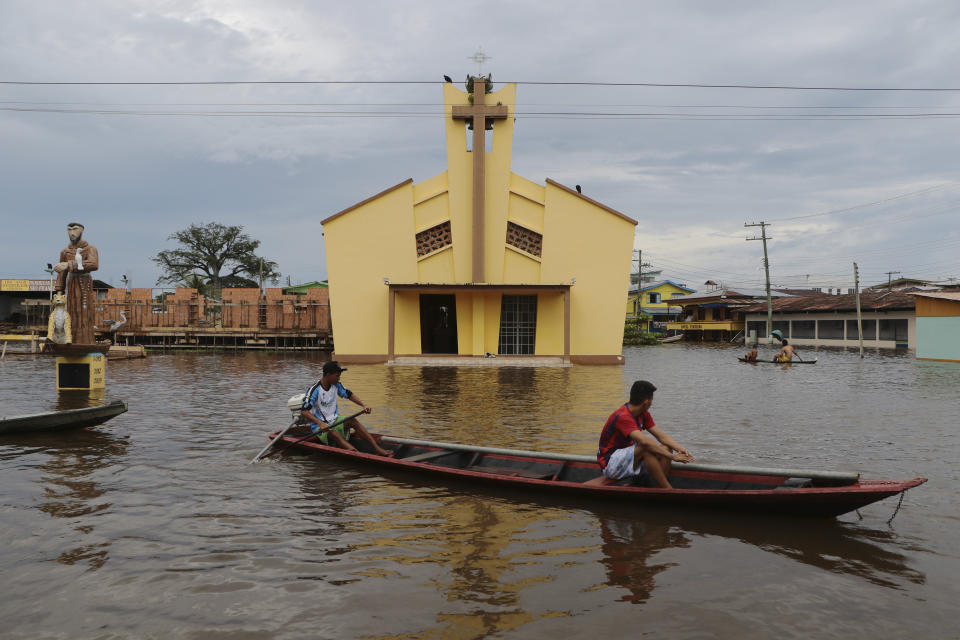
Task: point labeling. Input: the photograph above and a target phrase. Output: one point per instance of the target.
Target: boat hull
(566, 475)
(57, 420)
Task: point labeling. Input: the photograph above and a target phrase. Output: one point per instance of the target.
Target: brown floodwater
(154, 525)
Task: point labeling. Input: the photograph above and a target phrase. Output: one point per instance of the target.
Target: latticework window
(434, 239)
(524, 239)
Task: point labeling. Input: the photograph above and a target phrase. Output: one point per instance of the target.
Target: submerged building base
(457, 360)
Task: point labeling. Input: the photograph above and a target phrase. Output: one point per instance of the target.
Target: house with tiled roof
(717, 314)
(888, 319)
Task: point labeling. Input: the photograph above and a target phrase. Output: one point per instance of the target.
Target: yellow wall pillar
(81, 372)
(478, 325)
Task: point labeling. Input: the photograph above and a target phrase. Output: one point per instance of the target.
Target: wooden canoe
(55, 420)
(695, 486)
(758, 361)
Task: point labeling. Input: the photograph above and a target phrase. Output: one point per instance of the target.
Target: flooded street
(154, 525)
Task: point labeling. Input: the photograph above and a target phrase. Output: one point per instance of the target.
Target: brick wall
(241, 308)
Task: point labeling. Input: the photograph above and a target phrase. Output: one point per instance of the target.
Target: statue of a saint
(77, 261)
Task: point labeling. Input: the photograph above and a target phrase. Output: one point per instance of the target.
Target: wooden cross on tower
(477, 116)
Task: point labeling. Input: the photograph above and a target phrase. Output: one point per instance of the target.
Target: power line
(440, 104)
(533, 115)
(871, 204)
(668, 85)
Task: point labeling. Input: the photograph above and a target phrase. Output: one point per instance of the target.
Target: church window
(518, 325)
(524, 239)
(434, 239)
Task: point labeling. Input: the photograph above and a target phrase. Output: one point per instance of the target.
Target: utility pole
(640, 265)
(766, 267)
(889, 282)
(856, 289)
(261, 276)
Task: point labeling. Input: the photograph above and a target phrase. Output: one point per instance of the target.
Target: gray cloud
(692, 183)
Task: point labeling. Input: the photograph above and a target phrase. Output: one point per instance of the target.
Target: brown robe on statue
(77, 282)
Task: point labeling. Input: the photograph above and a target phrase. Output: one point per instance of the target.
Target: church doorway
(438, 323)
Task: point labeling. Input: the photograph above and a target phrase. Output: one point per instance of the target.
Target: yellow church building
(478, 261)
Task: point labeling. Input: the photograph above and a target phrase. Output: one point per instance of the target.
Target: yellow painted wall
(594, 246)
(526, 213)
(364, 246)
(549, 324)
(432, 211)
(665, 290)
(518, 267)
(436, 267)
(407, 329)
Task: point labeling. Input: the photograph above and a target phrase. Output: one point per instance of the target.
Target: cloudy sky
(844, 175)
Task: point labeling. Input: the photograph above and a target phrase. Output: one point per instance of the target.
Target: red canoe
(762, 490)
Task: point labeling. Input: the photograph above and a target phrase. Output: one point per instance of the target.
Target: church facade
(478, 261)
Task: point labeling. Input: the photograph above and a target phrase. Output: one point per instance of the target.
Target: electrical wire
(668, 85)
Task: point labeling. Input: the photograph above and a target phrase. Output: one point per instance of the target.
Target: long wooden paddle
(257, 457)
(337, 422)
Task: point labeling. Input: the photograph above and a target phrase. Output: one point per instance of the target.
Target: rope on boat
(897, 510)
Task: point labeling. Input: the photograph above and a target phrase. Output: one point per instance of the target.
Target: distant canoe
(675, 338)
(56, 420)
(758, 361)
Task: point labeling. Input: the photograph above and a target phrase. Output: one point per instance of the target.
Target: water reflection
(629, 547)
(69, 490)
(478, 554)
(487, 551)
(68, 400)
(507, 406)
(630, 544)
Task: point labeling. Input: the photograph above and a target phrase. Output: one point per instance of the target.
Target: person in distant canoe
(751, 355)
(625, 452)
(320, 408)
(786, 352)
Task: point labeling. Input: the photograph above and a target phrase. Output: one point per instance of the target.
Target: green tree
(220, 253)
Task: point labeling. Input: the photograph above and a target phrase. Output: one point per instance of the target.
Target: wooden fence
(242, 309)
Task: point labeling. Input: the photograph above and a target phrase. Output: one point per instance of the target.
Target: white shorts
(620, 465)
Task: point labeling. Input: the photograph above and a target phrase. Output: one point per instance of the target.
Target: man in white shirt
(320, 408)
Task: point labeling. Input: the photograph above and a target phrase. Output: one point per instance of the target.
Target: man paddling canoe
(786, 350)
(624, 451)
(320, 408)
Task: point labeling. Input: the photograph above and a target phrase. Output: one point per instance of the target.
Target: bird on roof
(447, 78)
(578, 188)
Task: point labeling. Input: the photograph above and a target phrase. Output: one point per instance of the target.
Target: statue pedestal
(81, 373)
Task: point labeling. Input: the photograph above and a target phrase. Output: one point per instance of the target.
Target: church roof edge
(370, 199)
(554, 183)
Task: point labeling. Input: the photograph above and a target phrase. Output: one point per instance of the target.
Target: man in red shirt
(625, 452)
